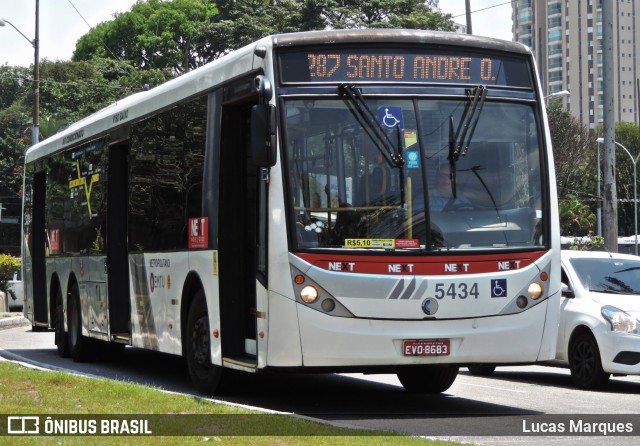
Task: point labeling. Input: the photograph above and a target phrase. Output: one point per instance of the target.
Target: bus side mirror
(263, 135)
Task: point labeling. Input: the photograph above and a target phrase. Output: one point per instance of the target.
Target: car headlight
(620, 320)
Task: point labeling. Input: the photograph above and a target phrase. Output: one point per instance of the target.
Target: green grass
(26, 391)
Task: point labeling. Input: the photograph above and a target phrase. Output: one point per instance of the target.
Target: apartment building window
(555, 49)
(555, 62)
(555, 22)
(555, 36)
(525, 16)
(555, 76)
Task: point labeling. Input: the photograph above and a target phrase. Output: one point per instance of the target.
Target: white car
(16, 299)
(599, 332)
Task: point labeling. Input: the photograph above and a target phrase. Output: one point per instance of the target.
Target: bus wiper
(475, 170)
(460, 139)
(367, 119)
(467, 126)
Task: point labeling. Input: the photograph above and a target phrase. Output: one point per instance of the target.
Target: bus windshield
(414, 174)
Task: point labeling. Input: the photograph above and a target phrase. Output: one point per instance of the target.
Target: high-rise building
(566, 38)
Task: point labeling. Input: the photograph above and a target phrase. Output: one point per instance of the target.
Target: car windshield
(377, 173)
(609, 275)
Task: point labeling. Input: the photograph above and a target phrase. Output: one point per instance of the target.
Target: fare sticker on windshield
(381, 243)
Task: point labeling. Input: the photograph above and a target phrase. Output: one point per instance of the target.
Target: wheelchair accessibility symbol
(498, 287)
(390, 117)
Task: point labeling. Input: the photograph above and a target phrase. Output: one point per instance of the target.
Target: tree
(13, 82)
(184, 34)
(154, 34)
(627, 134)
(69, 91)
(576, 218)
(8, 266)
(241, 22)
(411, 14)
(574, 153)
(574, 156)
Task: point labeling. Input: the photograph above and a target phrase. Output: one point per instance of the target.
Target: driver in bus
(441, 197)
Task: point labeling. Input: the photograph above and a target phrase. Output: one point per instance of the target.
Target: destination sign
(375, 65)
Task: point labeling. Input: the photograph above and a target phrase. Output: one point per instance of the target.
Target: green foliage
(587, 243)
(411, 14)
(574, 151)
(184, 34)
(14, 82)
(28, 391)
(627, 134)
(576, 218)
(8, 266)
(575, 156)
(154, 34)
(69, 91)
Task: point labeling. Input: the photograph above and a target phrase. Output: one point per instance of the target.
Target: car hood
(625, 302)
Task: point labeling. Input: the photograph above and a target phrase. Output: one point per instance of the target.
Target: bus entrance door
(239, 179)
(117, 264)
(39, 243)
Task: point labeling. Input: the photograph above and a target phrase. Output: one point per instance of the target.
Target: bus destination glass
(398, 65)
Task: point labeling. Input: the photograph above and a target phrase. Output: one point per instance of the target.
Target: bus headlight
(535, 290)
(309, 294)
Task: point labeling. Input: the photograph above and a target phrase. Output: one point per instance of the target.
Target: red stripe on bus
(413, 265)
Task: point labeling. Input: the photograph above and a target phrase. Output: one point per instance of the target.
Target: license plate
(426, 347)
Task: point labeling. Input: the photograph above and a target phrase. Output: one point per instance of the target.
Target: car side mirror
(566, 291)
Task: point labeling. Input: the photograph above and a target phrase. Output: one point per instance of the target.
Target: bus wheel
(204, 375)
(427, 379)
(481, 369)
(78, 344)
(62, 343)
(585, 363)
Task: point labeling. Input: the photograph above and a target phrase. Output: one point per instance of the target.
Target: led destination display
(375, 65)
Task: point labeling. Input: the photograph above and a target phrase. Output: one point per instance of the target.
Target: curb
(9, 322)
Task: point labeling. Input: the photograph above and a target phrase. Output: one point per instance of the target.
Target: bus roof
(138, 105)
(400, 36)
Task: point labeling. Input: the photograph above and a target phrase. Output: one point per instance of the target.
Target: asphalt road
(498, 410)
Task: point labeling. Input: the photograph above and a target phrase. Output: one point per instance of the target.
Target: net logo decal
(198, 232)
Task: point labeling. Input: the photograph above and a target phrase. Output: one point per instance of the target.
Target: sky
(61, 26)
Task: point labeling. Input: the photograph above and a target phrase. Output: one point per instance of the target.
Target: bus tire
(61, 337)
(205, 376)
(481, 369)
(585, 363)
(428, 379)
(78, 344)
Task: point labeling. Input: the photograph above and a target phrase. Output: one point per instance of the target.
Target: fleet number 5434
(460, 290)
